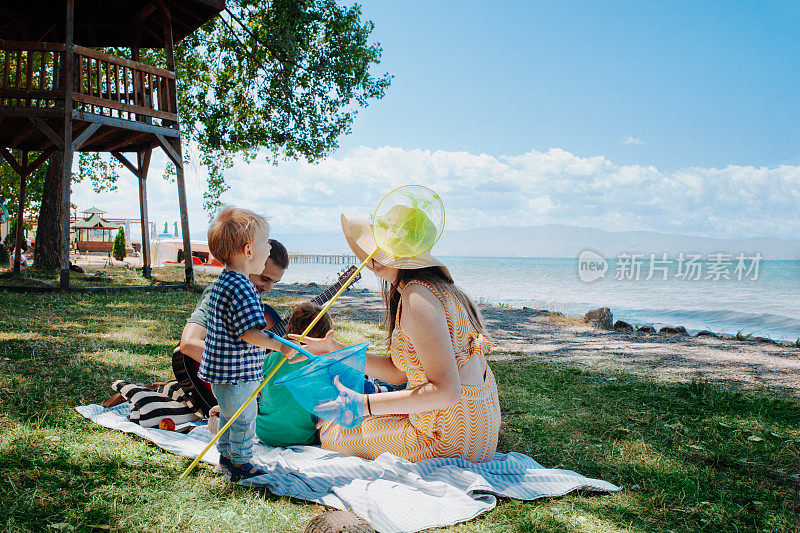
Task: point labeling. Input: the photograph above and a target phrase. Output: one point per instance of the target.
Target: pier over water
(334, 259)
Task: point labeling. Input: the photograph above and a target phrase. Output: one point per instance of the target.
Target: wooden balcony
(117, 104)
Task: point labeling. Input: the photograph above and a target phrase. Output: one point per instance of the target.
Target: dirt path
(550, 337)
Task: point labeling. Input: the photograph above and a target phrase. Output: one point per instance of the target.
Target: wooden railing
(32, 76)
(113, 86)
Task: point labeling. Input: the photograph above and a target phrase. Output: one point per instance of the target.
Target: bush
(4, 257)
(11, 238)
(118, 251)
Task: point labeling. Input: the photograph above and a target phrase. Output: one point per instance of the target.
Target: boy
(281, 420)
(233, 353)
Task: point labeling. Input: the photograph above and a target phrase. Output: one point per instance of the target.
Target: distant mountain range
(554, 240)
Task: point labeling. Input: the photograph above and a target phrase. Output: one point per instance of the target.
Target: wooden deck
(118, 105)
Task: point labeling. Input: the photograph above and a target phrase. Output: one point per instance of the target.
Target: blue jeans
(237, 443)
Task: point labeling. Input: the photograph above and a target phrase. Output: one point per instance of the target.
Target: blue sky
(697, 83)
(665, 116)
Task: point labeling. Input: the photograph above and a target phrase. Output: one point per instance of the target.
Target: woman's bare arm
(377, 366)
(381, 367)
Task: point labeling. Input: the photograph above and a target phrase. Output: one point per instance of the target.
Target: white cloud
(631, 140)
(481, 190)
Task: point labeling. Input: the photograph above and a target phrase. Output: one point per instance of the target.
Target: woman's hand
(316, 345)
(347, 409)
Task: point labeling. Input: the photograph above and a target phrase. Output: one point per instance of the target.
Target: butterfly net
(408, 221)
(313, 384)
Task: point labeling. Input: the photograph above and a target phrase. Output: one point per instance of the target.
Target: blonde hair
(232, 229)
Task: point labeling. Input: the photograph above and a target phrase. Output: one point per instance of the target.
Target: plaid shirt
(235, 309)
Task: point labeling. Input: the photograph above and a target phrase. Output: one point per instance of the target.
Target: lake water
(763, 302)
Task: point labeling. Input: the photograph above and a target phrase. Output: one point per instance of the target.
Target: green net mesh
(408, 221)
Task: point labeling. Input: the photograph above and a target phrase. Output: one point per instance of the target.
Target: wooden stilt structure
(58, 93)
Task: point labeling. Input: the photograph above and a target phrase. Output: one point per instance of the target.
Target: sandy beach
(552, 337)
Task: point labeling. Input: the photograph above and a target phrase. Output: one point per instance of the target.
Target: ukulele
(198, 392)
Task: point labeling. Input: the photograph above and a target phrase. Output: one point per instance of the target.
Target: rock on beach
(602, 318)
(620, 325)
(673, 330)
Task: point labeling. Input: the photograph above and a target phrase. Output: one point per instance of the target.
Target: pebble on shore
(603, 318)
(673, 330)
(620, 325)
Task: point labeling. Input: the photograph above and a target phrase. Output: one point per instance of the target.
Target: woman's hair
(232, 229)
(302, 316)
(435, 277)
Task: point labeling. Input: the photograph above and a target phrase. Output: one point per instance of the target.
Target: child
(281, 420)
(233, 354)
(301, 317)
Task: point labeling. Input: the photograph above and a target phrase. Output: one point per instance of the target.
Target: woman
(436, 342)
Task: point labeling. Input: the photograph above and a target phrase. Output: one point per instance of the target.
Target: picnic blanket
(393, 494)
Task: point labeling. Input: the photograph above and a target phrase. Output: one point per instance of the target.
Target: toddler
(233, 354)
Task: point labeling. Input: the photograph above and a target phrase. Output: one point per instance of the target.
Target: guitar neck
(327, 294)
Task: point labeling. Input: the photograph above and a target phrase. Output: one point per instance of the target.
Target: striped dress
(467, 430)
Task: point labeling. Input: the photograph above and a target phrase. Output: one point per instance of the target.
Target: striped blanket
(393, 494)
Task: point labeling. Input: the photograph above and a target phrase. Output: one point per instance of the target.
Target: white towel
(393, 494)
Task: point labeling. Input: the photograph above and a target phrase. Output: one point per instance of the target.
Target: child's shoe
(244, 471)
(222, 467)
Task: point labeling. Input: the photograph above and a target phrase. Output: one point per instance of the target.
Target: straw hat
(358, 232)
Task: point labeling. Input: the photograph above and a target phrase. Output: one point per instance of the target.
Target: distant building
(93, 233)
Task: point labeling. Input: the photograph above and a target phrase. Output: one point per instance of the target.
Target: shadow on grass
(691, 457)
(87, 483)
(60, 351)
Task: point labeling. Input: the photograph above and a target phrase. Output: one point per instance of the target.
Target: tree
(285, 77)
(118, 252)
(9, 195)
(9, 186)
(51, 214)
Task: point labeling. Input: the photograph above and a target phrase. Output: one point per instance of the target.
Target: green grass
(691, 457)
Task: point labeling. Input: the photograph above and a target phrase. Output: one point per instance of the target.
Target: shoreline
(309, 288)
(541, 335)
(765, 308)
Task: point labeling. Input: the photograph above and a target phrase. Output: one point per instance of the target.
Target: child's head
(302, 316)
(239, 233)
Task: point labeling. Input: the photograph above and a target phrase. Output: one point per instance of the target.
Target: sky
(678, 117)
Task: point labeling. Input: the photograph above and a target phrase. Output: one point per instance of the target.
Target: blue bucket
(313, 384)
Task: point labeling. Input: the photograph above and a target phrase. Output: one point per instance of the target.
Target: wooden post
(187, 247)
(143, 163)
(67, 175)
(137, 87)
(20, 212)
